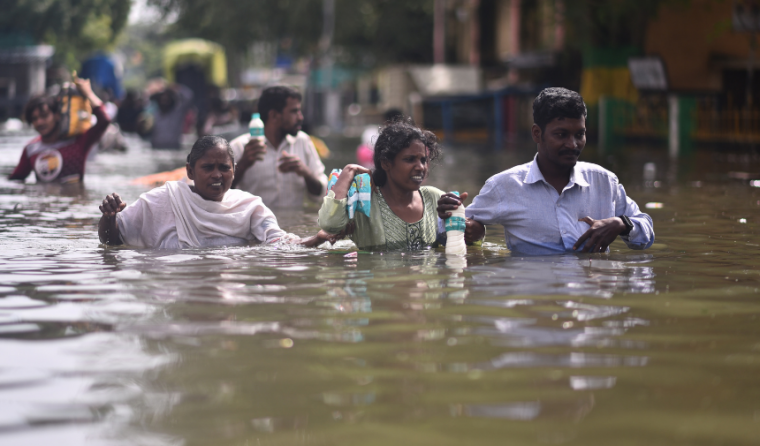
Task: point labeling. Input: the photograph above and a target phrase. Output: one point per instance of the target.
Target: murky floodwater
(275, 346)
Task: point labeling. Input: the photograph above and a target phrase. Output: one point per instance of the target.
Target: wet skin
(405, 175)
(559, 146)
(212, 174)
(408, 169)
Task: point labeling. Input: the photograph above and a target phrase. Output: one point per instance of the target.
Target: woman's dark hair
(557, 102)
(204, 144)
(396, 136)
(38, 103)
(276, 98)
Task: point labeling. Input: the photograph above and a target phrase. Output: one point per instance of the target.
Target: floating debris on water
(754, 183)
(650, 171)
(653, 205)
(178, 258)
(742, 220)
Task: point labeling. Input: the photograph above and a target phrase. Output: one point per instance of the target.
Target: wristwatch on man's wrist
(628, 224)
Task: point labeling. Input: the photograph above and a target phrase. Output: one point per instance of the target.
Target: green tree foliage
(142, 44)
(366, 31)
(385, 31)
(74, 27)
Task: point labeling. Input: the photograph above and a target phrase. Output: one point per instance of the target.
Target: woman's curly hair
(396, 136)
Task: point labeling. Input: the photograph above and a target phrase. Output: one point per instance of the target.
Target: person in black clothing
(130, 109)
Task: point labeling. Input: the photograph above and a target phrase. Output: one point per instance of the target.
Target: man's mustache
(570, 152)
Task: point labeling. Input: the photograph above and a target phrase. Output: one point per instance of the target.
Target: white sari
(173, 217)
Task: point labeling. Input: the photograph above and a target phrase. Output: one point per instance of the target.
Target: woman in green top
(403, 213)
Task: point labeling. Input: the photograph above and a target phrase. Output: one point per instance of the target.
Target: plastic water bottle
(256, 127)
(455, 226)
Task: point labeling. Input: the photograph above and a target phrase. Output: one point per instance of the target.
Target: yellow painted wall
(691, 38)
(601, 82)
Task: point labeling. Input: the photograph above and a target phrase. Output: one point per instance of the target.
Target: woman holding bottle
(403, 212)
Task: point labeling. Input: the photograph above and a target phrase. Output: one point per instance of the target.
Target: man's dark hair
(396, 136)
(557, 102)
(275, 98)
(166, 99)
(206, 143)
(38, 103)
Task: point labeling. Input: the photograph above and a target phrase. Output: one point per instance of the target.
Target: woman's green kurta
(383, 230)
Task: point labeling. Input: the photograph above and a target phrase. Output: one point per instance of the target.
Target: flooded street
(294, 346)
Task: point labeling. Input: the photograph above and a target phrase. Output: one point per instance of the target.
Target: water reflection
(302, 346)
(568, 274)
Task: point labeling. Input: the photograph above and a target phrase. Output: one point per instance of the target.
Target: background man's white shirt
(277, 189)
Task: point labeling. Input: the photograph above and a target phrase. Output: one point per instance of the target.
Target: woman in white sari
(209, 213)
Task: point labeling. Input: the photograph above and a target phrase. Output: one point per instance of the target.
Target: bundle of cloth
(359, 194)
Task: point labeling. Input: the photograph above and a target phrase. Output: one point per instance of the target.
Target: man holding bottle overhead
(555, 204)
(55, 156)
(284, 166)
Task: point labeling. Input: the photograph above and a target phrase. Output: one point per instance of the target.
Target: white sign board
(648, 73)
(446, 79)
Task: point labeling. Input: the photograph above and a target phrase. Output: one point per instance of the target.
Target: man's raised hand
(254, 151)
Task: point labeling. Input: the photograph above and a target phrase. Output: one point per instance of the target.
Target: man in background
(55, 156)
(285, 167)
(172, 103)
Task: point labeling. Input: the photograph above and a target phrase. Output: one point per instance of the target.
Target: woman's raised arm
(345, 179)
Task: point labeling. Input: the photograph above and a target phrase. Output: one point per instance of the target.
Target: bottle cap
(256, 116)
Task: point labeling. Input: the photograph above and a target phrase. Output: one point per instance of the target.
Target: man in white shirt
(287, 166)
(555, 204)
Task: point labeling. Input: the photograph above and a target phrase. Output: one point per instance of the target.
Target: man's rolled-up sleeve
(316, 166)
(487, 208)
(642, 234)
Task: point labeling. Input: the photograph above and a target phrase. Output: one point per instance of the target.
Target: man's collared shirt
(538, 220)
(277, 189)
